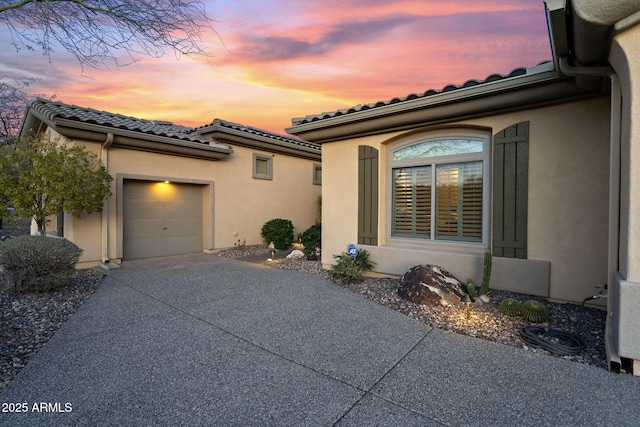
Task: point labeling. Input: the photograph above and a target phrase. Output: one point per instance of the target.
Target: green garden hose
(557, 341)
(553, 340)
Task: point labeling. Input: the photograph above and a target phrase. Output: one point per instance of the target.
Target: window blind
(459, 201)
(412, 201)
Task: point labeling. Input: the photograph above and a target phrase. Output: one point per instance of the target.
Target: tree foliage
(13, 100)
(95, 31)
(40, 175)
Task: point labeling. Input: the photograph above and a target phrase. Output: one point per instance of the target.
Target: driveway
(204, 340)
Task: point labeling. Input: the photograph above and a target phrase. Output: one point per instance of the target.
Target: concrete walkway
(201, 340)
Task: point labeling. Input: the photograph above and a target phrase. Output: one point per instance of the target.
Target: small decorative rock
(430, 285)
(298, 254)
(484, 298)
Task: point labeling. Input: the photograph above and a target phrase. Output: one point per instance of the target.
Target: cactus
(510, 307)
(484, 289)
(533, 311)
(471, 289)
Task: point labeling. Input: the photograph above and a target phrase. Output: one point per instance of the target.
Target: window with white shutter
(439, 188)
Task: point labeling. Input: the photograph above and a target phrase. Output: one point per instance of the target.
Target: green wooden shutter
(367, 195)
(510, 188)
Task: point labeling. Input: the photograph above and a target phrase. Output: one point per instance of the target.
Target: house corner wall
(623, 334)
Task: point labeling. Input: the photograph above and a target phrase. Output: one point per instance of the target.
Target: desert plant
(350, 268)
(484, 289)
(311, 240)
(533, 311)
(279, 231)
(510, 307)
(471, 289)
(39, 264)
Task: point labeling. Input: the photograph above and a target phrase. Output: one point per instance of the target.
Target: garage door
(161, 219)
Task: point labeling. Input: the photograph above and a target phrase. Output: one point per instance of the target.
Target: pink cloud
(280, 60)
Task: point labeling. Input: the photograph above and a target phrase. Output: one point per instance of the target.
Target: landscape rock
(431, 285)
(484, 299)
(296, 254)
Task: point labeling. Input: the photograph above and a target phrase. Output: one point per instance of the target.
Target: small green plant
(311, 240)
(279, 231)
(484, 289)
(471, 289)
(510, 307)
(350, 268)
(39, 264)
(533, 311)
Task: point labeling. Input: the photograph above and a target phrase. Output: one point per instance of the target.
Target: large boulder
(431, 285)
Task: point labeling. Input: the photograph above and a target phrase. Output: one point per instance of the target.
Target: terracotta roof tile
(57, 110)
(258, 132)
(430, 92)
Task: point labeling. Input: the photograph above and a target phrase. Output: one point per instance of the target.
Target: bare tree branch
(13, 101)
(99, 32)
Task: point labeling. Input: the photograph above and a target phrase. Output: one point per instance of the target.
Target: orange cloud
(279, 60)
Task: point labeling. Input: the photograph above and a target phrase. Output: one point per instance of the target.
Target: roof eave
(582, 31)
(123, 138)
(513, 94)
(141, 141)
(240, 138)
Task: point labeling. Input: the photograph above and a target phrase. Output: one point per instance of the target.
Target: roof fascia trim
(140, 141)
(542, 90)
(33, 121)
(240, 138)
(429, 101)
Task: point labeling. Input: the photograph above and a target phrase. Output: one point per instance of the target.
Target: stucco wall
(625, 58)
(568, 204)
(240, 203)
(623, 338)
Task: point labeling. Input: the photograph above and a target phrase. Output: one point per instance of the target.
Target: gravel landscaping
(485, 320)
(29, 321)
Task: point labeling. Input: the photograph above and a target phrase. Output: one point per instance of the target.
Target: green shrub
(279, 231)
(311, 240)
(38, 264)
(350, 269)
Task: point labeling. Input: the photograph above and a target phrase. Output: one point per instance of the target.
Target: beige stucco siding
(568, 197)
(625, 58)
(623, 339)
(234, 202)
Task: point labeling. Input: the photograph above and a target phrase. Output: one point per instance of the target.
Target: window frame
(316, 167)
(433, 162)
(269, 160)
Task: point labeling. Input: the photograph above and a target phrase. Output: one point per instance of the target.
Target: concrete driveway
(201, 340)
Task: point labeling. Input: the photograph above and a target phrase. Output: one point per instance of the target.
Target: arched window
(439, 187)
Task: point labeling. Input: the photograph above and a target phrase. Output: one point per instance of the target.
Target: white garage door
(161, 219)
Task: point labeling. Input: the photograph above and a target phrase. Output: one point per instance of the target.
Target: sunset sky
(277, 59)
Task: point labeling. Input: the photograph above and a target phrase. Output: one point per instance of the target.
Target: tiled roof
(51, 111)
(430, 92)
(258, 132)
(57, 110)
